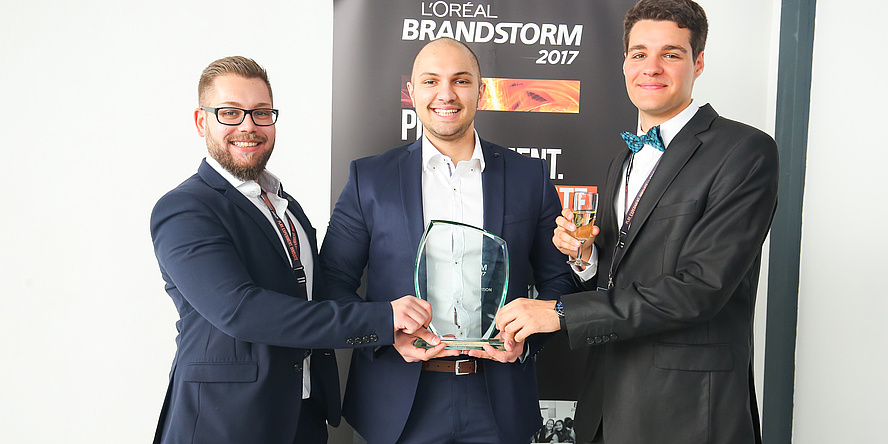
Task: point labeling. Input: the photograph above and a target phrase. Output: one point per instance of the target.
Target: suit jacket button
(614, 336)
(374, 338)
(598, 339)
(297, 368)
(365, 340)
(350, 341)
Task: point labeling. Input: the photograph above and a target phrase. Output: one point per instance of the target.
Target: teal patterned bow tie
(652, 138)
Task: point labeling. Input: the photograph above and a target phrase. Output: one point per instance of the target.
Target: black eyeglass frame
(215, 112)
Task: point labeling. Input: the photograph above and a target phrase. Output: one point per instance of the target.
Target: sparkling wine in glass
(585, 205)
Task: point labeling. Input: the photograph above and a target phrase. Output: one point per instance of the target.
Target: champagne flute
(585, 205)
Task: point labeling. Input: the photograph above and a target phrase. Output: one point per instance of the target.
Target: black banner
(555, 90)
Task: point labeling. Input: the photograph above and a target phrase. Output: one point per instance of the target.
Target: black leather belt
(459, 367)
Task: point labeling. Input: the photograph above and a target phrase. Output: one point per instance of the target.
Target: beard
(256, 161)
(447, 134)
(447, 131)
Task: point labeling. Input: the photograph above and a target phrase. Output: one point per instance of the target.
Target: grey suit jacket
(672, 338)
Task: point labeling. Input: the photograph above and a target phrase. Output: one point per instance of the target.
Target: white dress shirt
(454, 193)
(272, 186)
(643, 163)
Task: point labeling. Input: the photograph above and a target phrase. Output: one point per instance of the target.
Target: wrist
(559, 311)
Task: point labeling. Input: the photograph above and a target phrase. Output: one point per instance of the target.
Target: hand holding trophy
(463, 272)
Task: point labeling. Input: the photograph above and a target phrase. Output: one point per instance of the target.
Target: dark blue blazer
(243, 332)
(378, 222)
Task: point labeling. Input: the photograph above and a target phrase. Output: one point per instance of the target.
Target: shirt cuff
(524, 356)
(591, 270)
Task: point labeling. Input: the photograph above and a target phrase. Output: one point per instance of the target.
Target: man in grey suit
(668, 310)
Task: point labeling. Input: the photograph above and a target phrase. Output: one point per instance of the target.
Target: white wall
(841, 387)
(97, 98)
(740, 81)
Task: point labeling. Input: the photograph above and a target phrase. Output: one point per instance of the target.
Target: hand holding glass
(585, 206)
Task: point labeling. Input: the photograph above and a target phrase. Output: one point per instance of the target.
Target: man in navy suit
(670, 301)
(239, 258)
(483, 396)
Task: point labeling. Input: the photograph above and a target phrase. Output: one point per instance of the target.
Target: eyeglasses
(235, 116)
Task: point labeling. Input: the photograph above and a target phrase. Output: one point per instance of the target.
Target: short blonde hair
(237, 65)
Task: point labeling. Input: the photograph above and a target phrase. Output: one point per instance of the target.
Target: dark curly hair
(685, 14)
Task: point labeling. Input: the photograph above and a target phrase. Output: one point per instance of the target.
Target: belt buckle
(456, 367)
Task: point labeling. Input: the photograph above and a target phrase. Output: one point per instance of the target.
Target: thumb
(427, 336)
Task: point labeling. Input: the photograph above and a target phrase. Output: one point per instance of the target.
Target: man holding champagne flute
(670, 291)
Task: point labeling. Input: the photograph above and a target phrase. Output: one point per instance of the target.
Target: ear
(200, 121)
(410, 92)
(481, 90)
(698, 65)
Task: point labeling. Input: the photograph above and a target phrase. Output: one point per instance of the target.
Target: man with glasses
(238, 255)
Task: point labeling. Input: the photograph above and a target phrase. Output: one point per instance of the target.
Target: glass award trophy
(463, 272)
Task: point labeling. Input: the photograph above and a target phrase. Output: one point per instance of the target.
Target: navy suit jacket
(378, 223)
(243, 332)
(671, 356)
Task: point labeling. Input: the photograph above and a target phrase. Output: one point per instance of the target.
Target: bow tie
(652, 138)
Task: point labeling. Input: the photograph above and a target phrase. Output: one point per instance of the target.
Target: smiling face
(243, 150)
(660, 70)
(445, 87)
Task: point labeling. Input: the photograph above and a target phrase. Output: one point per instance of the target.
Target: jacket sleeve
(346, 248)
(705, 266)
(552, 275)
(200, 260)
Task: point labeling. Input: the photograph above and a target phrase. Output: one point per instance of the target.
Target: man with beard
(253, 360)
(450, 174)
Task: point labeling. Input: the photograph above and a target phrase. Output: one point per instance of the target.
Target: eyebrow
(675, 48)
(679, 48)
(239, 105)
(432, 74)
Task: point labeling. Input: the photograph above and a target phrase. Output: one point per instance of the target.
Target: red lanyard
(628, 214)
(290, 239)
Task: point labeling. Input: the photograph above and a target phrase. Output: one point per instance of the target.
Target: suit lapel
(493, 188)
(680, 150)
(217, 182)
(296, 210)
(492, 184)
(410, 175)
(611, 194)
